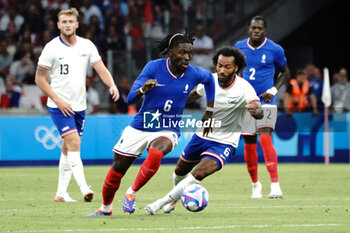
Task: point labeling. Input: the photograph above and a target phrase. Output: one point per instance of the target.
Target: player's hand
(269, 94)
(251, 108)
(207, 119)
(114, 93)
(255, 110)
(65, 108)
(149, 84)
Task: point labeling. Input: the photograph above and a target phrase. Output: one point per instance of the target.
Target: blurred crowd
(303, 92)
(26, 26)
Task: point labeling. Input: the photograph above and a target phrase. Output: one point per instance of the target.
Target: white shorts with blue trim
(133, 141)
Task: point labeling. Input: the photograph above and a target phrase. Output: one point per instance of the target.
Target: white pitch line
(287, 206)
(177, 228)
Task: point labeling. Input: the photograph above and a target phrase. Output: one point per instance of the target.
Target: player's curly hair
(229, 51)
(172, 40)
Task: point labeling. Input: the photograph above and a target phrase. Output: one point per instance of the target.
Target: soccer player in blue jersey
(165, 85)
(263, 57)
(234, 98)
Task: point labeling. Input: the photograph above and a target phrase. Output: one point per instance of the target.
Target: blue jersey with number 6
(163, 105)
(262, 62)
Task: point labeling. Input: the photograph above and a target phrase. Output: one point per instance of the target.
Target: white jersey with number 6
(68, 66)
(229, 109)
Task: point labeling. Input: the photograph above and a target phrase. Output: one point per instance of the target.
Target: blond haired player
(65, 59)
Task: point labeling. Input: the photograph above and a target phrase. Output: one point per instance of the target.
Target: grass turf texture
(316, 199)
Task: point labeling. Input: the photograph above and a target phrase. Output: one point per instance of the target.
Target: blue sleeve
(140, 80)
(281, 59)
(209, 86)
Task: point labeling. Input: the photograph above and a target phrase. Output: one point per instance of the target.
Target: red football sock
(251, 159)
(110, 186)
(148, 168)
(270, 156)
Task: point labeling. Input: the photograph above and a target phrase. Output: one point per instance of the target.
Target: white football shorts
(251, 125)
(133, 141)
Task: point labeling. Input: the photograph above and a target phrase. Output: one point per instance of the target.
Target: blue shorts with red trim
(66, 125)
(199, 148)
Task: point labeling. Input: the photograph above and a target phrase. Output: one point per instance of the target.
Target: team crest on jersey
(186, 88)
(263, 58)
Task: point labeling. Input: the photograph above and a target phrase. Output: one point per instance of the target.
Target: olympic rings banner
(30, 140)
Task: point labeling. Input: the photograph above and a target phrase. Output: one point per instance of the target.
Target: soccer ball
(194, 197)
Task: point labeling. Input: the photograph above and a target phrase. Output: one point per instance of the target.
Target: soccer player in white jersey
(65, 59)
(234, 98)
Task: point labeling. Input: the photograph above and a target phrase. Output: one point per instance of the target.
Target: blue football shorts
(199, 148)
(69, 124)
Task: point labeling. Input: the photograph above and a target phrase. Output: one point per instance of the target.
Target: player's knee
(179, 171)
(72, 143)
(199, 174)
(249, 139)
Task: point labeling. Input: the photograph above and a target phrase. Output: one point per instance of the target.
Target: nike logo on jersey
(232, 102)
(60, 58)
(83, 55)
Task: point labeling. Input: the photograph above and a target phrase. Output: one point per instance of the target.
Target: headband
(177, 34)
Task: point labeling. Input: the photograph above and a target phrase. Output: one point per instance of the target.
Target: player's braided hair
(229, 51)
(172, 40)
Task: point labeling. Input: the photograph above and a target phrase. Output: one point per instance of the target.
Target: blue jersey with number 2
(163, 105)
(262, 62)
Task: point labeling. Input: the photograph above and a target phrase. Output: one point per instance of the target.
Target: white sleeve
(250, 94)
(94, 55)
(46, 58)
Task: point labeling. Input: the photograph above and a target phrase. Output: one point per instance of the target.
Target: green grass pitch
(316, 199)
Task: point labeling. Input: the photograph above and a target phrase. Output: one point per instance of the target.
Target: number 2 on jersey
(252, 74)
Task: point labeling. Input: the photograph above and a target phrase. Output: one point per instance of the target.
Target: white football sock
(175, 193)
(177, 178)
(130, 191)
(76, 165)
(106, 208)
(64, 175)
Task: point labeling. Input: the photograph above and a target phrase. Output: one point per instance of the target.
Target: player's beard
(227, 82)
(68, 34)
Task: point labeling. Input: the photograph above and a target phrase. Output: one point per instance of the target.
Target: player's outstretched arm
(139, 89)
(107, 78)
